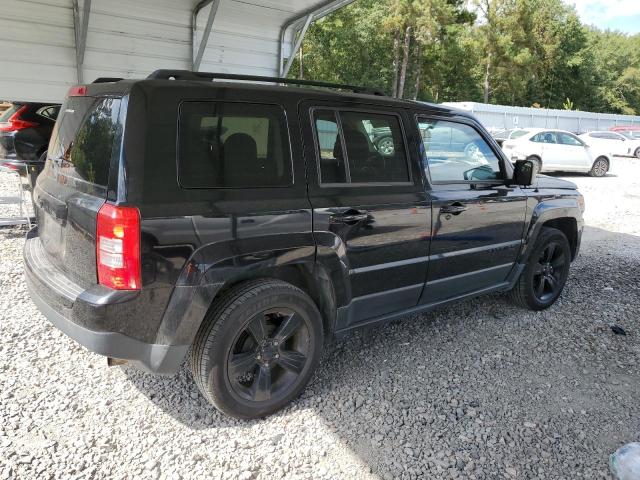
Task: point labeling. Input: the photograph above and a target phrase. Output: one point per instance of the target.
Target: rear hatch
(85, 143)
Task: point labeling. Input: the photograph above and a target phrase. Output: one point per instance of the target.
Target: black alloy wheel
(546, 272)
(268, 355)
(258, 348)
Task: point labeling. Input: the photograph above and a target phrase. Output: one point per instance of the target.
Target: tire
(600, 167)
(386, 147)
(637, 153)
(549, 271)
(249, 377)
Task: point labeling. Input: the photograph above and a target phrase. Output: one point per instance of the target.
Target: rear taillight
(118, 247)
(15, 123)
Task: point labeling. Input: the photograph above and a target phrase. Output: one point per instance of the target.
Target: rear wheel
(546, 272)
(257, 349)
(600, 167)
(637, 153)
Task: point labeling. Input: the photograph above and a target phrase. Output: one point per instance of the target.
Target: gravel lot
(478, 390)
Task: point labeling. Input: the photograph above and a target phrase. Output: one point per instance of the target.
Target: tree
(515, 52)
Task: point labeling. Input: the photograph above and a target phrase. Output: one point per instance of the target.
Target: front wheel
(545, 275)
(257, 349)
(600, 167)
(637, 153)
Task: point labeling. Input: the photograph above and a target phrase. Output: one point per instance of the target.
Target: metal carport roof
(49, 45)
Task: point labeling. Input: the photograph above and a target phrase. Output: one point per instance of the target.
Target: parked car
(560, 151)
(631, 132)
(619, 144)
(25, 130)
(502, 136)
(217, 226)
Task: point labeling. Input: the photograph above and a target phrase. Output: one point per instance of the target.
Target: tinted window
(374, 144)
(456, 152)
(84, 137)
(332, 168)
(568, 139)
(233, 145)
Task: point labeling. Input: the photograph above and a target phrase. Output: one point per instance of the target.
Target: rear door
(369, 204)
(74, 183)
(478, 221)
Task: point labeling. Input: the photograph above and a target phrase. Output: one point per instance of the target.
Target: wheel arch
(319, 271)
(564, 214)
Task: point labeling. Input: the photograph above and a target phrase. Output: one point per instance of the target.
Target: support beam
(197, 60)
(297, 23)
(80, 29)
(285, 71)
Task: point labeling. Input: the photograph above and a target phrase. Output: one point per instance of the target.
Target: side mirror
(525, 172)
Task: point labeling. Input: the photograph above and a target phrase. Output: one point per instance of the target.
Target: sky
(622, 15)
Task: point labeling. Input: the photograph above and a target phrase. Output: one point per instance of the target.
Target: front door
(369, 205)
(576, 156)
(478, 221)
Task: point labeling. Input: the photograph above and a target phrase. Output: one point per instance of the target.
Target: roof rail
(206, 76)
(107, 80)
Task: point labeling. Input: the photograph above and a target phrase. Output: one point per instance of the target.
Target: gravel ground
(478, 390)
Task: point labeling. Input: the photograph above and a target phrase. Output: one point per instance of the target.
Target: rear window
(233, 145)
(6, 115)
(84, 137)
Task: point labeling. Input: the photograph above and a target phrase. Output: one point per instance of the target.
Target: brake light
(118, 247)
(15, 123)
(77, 91)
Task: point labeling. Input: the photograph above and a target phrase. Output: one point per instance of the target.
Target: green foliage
(517, 52)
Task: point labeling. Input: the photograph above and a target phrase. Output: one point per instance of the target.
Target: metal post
(296, 47)
(205, 35)
(80, 29)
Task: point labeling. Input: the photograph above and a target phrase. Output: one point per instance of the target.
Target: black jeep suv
(241, 223)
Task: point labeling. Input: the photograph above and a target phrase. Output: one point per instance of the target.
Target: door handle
(349, 217)
(454, 209)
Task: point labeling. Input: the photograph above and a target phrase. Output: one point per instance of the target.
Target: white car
(560, 151)
(616, 142)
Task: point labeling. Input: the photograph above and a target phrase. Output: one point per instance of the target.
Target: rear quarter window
(84, 137)
(233, 145)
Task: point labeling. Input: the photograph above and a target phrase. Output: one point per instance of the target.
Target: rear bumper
(57, 297)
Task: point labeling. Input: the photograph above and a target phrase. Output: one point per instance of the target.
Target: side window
(456, 152)
(545, 137)
(568, 139)
(233, 145)
(357, 147)
(332, 167)
(50, 112)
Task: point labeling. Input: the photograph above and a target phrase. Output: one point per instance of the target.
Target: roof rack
(206, 76)
(107, 79)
